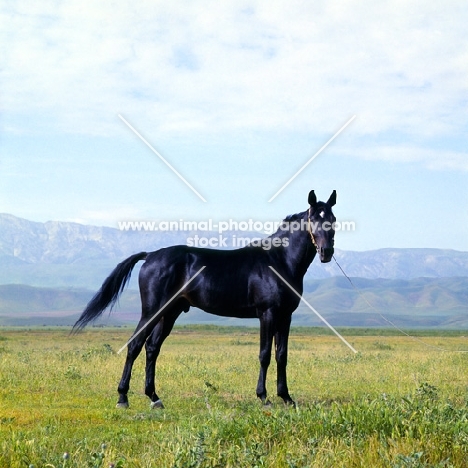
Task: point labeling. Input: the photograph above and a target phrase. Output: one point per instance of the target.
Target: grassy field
(398, 403)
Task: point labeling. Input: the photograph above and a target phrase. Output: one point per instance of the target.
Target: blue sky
(237, 96)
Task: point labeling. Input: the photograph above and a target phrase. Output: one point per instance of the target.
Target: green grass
(396, 404)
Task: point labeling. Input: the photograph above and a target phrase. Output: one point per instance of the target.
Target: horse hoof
(158, 404)
(122, 405)
(267, 404)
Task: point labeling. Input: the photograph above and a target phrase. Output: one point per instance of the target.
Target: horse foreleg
(266, 339)
(153, 347)
(281, 342)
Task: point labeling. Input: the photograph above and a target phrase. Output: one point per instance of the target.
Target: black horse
(234, 283)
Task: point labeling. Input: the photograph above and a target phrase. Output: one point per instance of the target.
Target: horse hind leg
(153, 347)
(134, 348)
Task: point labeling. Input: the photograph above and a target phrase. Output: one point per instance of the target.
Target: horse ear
(312, 198)
(332, 200)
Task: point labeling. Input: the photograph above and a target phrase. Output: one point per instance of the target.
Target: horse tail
(109, 292)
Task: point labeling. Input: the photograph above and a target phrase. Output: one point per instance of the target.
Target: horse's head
(321, 225)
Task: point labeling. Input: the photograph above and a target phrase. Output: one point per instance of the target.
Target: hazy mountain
(396, 264)
(418, 302)
(422, 302)
(66, 254)
(56, 242)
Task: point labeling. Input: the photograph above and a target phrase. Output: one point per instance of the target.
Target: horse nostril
(327, 252)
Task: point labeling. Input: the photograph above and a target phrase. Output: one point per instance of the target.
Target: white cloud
(430, 158)
(213, 66)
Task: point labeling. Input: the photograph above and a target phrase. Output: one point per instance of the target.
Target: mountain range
(50, 270)
(68, 254)
(421, 302)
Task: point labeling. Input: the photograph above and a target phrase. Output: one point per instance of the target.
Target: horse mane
(281, 233)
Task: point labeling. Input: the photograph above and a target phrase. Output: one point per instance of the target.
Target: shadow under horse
(234, 283)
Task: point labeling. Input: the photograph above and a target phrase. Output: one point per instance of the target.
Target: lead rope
(389, 321)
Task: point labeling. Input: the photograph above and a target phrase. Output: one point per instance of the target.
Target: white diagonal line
(161, 309)
(312, 158)
(172, 168)
(313, 310)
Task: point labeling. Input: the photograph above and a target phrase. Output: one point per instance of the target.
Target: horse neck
(300, 252)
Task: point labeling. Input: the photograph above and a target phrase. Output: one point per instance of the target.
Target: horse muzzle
(326, 254)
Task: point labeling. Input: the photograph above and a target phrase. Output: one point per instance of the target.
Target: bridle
(309, 229)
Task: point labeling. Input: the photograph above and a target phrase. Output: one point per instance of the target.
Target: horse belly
(225, 301)
(234, 313)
